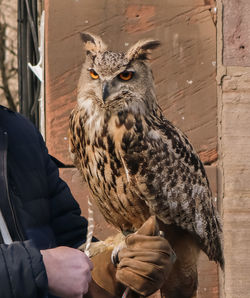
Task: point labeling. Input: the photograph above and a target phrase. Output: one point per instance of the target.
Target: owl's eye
(126, 75)
(93, 74)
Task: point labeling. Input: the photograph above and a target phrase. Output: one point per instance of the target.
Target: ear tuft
(93, 43)
(151, 44)
(86, 37)
(142, 49)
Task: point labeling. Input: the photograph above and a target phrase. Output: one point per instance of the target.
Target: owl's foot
(95, 248)
(108, 244)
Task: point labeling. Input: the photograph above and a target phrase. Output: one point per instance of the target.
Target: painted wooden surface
(184, 69)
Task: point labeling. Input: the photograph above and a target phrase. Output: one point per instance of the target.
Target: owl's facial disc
(111, 86)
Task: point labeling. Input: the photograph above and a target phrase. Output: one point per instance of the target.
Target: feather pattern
(137, 163)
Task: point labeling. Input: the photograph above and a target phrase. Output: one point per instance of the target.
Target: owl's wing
(170, 177)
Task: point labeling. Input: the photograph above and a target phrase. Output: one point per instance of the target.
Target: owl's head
(116, 80)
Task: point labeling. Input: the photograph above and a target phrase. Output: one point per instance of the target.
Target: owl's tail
(214, 248)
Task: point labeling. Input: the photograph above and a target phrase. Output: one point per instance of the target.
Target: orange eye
(93, 74)
(126, 75)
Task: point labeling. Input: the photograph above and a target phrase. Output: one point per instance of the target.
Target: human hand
(68, 271)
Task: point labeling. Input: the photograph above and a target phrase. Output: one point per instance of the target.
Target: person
(42, 227)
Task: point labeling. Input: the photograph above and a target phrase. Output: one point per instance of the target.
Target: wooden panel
(236, 33)
(184, 67)
(236, 168)
(208, 278)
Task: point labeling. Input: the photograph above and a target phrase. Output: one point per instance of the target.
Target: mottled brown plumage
(137, 163)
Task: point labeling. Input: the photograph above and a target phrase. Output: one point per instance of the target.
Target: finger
(85, 290)
(150, 227)
(89, 262)
(86, 283)
(145, 269)
(158, 243)
(91, 266)
(141, 284)
(89, 277)
(152, 257)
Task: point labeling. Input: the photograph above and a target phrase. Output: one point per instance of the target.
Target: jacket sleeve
(22, 272)
(69, 227)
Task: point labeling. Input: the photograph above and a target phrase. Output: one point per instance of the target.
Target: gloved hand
(144, 263)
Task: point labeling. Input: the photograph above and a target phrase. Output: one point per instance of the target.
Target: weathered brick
(235, 161)
(236, 33)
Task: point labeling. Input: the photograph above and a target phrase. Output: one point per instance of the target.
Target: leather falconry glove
(143, 264)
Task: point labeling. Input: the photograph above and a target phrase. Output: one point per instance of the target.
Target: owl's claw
(114, 256)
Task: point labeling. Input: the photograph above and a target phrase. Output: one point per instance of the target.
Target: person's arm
(27, 272)
(68, 269)
(22, 271)
(69, 227)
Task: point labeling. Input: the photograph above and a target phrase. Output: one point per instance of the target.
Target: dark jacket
(37, 205)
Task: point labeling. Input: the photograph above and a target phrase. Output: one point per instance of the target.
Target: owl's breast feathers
(137, 165)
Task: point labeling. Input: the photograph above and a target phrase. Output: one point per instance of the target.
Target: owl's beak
(105, 91)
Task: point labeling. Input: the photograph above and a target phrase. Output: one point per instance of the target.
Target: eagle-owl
(136, 163)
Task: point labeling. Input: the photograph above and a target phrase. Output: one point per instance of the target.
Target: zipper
(18, 231)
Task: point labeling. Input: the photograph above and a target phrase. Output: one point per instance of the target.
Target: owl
(137, 164)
